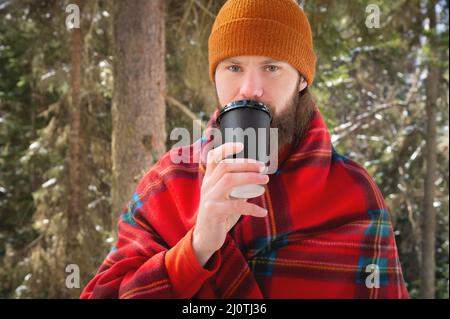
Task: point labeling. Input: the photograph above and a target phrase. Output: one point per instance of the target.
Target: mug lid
(244, 103)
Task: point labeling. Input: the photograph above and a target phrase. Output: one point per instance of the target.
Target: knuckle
(221, 217)
(250, 177)
(208, 206)
(236, 205)
(222, 168)
(241, 205)
(228, 178)
(250, 208)
(210, 156)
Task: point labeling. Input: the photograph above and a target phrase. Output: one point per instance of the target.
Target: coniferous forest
(90, 91)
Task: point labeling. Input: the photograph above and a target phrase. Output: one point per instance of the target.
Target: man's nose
(251, 87)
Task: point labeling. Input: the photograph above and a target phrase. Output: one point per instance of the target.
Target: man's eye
(272, 68)
(234, 68)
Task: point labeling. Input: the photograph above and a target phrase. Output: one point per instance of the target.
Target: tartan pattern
(327, 221)
(379, 223)
(134, 204)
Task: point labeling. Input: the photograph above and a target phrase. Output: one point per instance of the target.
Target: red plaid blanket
(327, 233)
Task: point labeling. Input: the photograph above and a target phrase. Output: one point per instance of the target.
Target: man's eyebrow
(232, 61)
(268, 61)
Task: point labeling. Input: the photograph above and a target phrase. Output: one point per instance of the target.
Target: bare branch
(183, 108)
(201, 6)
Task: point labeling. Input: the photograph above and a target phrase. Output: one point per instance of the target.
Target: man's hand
(217, 212)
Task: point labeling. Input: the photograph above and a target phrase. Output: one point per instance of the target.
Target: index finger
(216, 155)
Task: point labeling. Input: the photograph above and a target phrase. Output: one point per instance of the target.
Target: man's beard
(293, 122)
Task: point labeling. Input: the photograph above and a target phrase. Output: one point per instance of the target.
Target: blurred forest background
(85, 111)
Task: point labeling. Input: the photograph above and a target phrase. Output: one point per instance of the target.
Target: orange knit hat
(274, 28)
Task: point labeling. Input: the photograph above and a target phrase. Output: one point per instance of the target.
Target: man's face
(275, 83)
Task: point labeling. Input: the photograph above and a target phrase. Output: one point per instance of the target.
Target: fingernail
(262, 168)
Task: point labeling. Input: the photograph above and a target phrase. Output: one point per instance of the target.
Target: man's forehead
(246, 59)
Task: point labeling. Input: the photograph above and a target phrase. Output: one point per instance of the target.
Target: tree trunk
(75, 203)
(427, 287)
(138, 112)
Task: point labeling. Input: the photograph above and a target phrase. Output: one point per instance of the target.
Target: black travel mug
(248, 122)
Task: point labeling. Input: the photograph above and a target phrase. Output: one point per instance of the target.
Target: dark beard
(293, 122)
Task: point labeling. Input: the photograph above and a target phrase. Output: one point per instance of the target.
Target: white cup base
(247, 191)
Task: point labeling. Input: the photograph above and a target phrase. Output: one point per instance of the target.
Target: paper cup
(248, 122)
